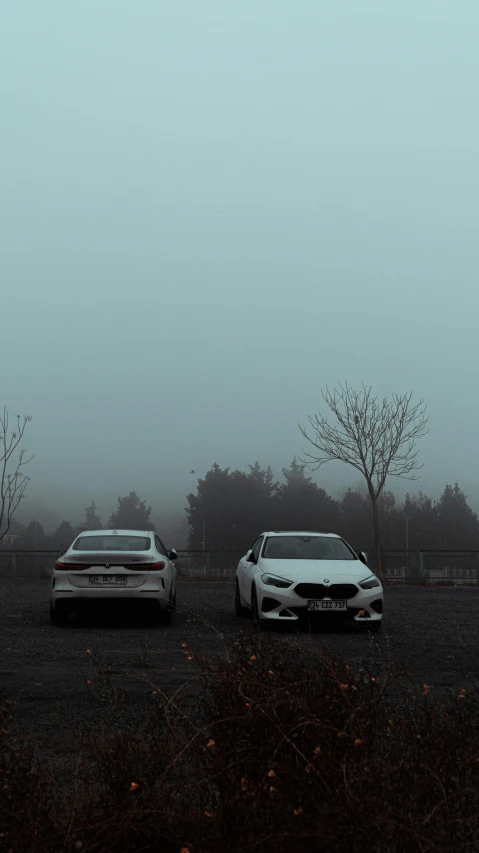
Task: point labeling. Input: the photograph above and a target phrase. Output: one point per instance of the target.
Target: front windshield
(306, 548)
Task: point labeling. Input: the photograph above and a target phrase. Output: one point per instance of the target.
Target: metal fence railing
(27, 564)
(457, 567)
(215, 564)
(432, 566)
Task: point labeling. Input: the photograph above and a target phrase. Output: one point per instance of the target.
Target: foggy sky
(209, 211)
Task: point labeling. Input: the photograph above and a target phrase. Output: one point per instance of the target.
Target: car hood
(316, 571)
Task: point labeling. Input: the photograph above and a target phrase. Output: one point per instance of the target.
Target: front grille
(343, 590)
(319, 590)
(310, 590)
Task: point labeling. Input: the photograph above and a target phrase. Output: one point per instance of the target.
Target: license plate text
(333, 606)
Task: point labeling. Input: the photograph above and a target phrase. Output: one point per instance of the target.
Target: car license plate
(107, 580)
(331, 606)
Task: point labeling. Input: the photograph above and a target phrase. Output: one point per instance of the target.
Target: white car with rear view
(289, 575)
(106, 566)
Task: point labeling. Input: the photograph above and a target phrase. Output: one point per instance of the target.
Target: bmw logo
(326, 580)
(107, 565)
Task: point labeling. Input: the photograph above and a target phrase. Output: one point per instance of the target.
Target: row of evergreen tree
(131, 513)
(230, 509)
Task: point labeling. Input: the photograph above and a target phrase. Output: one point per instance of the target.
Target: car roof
(117, 533)
(300, 533)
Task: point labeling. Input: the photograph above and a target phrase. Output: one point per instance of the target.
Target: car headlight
(272, 580)
(370, 582)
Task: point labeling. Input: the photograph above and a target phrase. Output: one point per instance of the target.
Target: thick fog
(211, 210)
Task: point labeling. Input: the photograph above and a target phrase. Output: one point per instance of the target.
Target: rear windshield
(306, 548)
(112, 543)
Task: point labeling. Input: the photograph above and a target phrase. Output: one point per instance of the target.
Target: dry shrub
(272, 748)
(27, 792)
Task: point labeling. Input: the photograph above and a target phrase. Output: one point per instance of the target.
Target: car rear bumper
(64, 594)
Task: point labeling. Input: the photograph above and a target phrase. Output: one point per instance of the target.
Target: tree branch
(376, 437)
(13, 481)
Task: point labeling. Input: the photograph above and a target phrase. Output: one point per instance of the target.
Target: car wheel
(165, 615)
(239, 609)
(255, 610)
(58, 616)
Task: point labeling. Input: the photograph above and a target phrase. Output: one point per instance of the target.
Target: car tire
(258, 621)
(240, 611)
(165, 615)
(58, 616)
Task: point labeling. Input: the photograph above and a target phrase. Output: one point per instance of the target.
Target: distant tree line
(230, 509)
(131, 513)
(377, 437)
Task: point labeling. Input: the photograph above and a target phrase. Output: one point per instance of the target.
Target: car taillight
(142, 567)
(67, 567)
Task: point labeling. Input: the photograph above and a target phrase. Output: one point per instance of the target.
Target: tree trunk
(377, 543)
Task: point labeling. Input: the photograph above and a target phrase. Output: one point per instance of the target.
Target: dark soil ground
(431, 632)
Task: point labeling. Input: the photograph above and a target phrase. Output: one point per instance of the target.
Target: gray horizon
(210, 212)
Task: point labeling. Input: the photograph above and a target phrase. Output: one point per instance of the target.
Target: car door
(247, 572)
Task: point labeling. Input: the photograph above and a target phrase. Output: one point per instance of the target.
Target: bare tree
(13, 459)
(377, 437)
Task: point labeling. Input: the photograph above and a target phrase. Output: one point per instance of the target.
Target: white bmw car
(104, 566)
(289, 575)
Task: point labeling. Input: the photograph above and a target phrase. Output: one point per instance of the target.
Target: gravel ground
(432, 632)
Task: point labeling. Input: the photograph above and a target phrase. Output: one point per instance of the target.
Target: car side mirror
(172, 555)
(249, 557)
(363, 557)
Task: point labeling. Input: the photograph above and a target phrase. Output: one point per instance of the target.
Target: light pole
(407, 517)
(203, 539)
